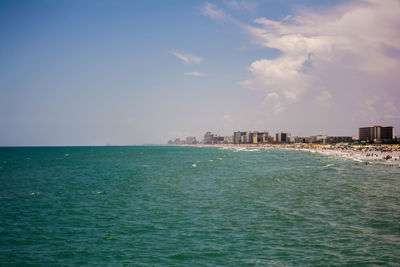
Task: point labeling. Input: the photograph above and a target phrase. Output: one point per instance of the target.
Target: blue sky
(133, 72)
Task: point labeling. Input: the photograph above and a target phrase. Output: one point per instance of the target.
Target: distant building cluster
(251, 137)
(284, 137)
(212, 139)
(190, 140)
(374, 134)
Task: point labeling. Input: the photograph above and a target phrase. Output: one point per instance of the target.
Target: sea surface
(195, 206)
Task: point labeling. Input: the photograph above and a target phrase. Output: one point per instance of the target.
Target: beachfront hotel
(254, 137)
(208, 138)
(282, 137)
(376, 134)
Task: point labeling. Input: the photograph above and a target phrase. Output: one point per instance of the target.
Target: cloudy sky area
(120, 72)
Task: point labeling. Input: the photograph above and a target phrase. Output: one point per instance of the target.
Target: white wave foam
(328, 165)
(252, 150)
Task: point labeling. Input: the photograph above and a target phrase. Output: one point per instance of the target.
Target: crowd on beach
(387, 154)
(384, 154)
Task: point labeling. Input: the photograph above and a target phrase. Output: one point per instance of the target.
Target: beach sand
(387, 154)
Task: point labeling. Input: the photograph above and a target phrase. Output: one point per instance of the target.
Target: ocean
(195, 206)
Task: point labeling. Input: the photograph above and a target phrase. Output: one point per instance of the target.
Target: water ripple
(149, 206)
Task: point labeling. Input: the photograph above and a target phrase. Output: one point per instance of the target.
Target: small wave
(252, 150)
(66, 155)
(328, 165)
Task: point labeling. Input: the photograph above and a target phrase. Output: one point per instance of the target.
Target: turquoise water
(191, 206)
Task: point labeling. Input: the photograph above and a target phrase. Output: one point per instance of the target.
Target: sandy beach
(372, 154)
(389, 155)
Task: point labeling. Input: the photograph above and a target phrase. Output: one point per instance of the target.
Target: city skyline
(372, 134)
(136, 72)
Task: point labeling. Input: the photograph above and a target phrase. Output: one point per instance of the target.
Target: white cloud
(195, 73)
(282, 74)
(352, 49)
(187, 58)
(211, 11)
(273, 95)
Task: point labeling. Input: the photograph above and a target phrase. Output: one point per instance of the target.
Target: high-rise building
(218, 139)
(208, 138)
(282, 137)
(376, 133)
(364, 133)
(251, 139)
(190, 140)
(387, 133)
(262, 137)
(236, 137)
(239, 137)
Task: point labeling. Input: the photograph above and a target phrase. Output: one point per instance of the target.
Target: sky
(97, 72)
